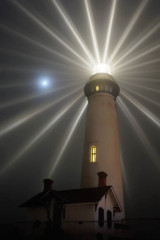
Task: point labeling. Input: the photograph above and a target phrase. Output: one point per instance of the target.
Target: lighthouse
(86, 210)
(101, 144)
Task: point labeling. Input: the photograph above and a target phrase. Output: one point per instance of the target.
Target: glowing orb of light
(102, 68)
(44, 82)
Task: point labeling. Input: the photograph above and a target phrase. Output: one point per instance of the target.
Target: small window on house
(93, 154)
(101, 217)
(97, 88)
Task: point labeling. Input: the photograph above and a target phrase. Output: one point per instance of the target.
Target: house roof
(42, 199)
(83, 195)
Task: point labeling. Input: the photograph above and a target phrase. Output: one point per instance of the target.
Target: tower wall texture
(102, 132)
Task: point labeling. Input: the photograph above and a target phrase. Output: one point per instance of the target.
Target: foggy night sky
(23, 66)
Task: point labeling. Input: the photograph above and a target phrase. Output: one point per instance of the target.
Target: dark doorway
(109, 219)
(101, 217)
(57, 213)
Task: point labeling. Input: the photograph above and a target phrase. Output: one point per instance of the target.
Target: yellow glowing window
(97, 88)
(93, 154)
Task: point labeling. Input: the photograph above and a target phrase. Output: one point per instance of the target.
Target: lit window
(97, 88)
(93, 154)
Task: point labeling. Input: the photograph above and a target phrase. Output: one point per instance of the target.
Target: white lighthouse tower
(101, 145)
(97, 207)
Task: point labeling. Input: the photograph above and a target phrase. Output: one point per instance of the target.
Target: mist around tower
(42, 123)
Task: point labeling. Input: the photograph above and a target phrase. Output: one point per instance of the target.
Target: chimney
(47, 185)
(102, 179)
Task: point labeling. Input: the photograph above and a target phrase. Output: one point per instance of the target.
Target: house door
(57, 213)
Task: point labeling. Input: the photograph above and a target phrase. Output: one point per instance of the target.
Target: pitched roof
(83, 195)
(42, 199)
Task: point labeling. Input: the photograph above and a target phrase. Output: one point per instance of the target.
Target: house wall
(84, 217)
(37, 213)
(76, 212)
(40, 213)
(37, 222)
(79, 212)
(76, 219)
(88, 211)
(79, 218)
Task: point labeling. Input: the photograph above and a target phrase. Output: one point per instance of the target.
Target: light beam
(128, 29)
(140, 133)
(33, 141)
(138, 56)
(142, 109)
(19, 120)
(55, 36)
(73, 30)
(109, 31)
(131, 49)
(71, 130)
(40, 45)
(141, 96)
(150, 62)
(142, 87)
(92, 31)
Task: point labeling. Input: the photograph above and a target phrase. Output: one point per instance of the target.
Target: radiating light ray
(37, 43)
(143, 38)
(34, 140)
(30, 69)
(129, 73)
(142, 87)
(22, 118)
(24, 55)
(124, 172)
(15, 85)
(139, 79)
(92, 31)
(71, 130)
(141, 96)
(138, 56)
(55, 36)
(73, 30)
(23, 99)
(142, 109)
(140, 64)
(128, 29)
(140, 133)
(109, 32)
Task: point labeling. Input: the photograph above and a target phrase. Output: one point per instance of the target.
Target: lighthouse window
(93, 154)
(97, 88)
